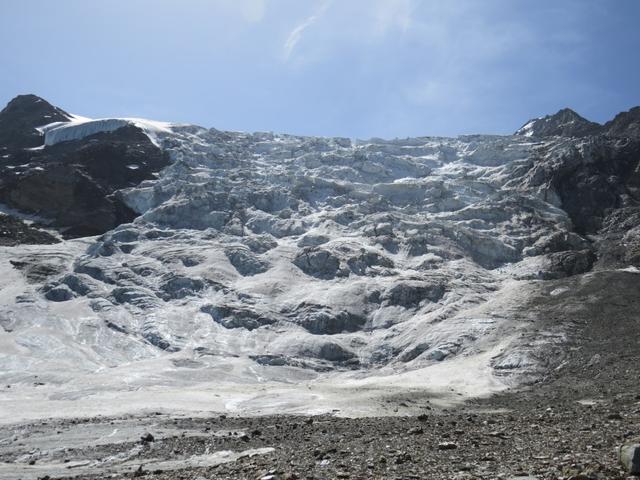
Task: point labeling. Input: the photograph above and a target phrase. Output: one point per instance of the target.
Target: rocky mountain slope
(174, 266)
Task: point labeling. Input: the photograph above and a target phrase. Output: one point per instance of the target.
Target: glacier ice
(278, 261)
(81, 127)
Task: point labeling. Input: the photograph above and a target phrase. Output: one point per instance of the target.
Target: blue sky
(355, 68)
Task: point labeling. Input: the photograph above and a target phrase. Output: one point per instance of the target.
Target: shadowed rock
(245, 262)
(321, 320)
(71, 183)
(317, 262)
(236, 317)
(20, 118)
(410, 294)
(14, 231)
(176, 287)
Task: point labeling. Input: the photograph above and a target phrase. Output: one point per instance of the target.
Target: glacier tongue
(282, 273)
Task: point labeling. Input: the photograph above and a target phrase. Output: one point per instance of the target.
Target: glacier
(271, 273)
(289, 273)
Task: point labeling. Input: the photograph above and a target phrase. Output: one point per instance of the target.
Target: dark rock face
(625, 124)
(236, 317)
(619, 243)
(21, 117)
(410, 294)
(565, 123)
(317, 262)
(334, 352)
(72, 183)
(69, 196)
(569, 263)
(14, 231)
(361, 264)
(321, 320)
(601, 175)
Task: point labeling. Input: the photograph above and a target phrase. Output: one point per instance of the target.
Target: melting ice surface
(275, 273)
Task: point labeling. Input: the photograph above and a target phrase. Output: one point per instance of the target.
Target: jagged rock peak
(625, 124)
(22, 116)
(565, 123)
(33, 108)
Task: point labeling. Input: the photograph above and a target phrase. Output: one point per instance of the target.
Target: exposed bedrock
(20, 119)
(14, 231)
(71, 184)
(591, 178)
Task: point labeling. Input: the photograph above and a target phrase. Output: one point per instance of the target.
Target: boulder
(76, 283)
(260, 243)
(629, 457)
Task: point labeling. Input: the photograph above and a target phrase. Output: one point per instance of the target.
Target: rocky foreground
(539, 438)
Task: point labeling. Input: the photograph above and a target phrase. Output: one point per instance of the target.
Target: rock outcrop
(564, 123)
(71, 184)
(21, 118)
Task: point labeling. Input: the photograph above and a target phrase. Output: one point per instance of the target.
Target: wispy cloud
(296, 34)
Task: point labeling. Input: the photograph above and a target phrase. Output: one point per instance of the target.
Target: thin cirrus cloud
(343, 23)
(295, 35)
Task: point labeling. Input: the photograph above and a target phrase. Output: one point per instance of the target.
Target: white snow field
(282, 274)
